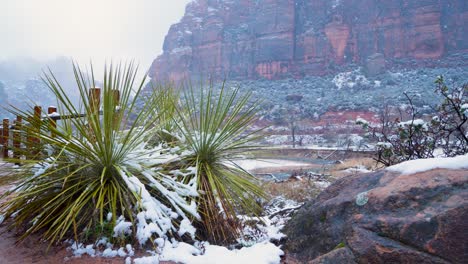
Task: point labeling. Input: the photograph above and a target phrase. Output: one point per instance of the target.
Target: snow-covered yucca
(215, 128)
(96, 175)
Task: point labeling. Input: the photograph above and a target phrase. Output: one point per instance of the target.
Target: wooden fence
(10, 135)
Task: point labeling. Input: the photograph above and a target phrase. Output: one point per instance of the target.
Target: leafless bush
(416, 138)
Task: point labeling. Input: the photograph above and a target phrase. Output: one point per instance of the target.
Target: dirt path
(31, 250)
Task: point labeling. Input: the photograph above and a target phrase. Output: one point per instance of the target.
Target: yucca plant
(214, 127)
(166, 109)
(97, 170)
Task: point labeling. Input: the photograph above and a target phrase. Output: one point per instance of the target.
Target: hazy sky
(87, 29)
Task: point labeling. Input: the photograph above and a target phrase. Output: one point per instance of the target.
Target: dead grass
(300, 191)
(338, 170)
(7, 180)
(305, 190)
(6, 177)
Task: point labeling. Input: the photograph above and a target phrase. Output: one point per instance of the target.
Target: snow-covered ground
(257, 246)
(263, 252)
(357, 169)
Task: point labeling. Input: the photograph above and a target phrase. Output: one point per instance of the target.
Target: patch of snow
(322, 184)
(336, 3)
(80, 249)
(121, 252)
(257, 248)
(271, 37)
(357, 169)
(439, 153)
(268, 227)
(385, 145)
(287, 139)
(130, 250)
(198, 19)
(185, 49)
(212, 10)
(261, 253)
(415, 122)
(464, 108)
(361, 121)
(421, 165)
(109, 217)
(122, 227)
(102, 242)
(350, 79)
(252, 164)
(274, 231)
(156, 217)
(186, 227)
(109, 253)
(92, 250)
(147, 260)
(53, 114)
(41, 168)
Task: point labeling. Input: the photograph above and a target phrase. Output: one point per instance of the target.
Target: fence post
(34, 141)
(53, 123)
(116, 97)
(95, 99)
(17, 139)
(6, 133)
(1, 140)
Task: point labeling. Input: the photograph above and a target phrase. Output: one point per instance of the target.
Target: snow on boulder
(414, 166)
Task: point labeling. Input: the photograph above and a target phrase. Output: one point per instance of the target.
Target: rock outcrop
(384, 217)
(274, 39)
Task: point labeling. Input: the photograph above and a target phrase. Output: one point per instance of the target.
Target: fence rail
(10, 135)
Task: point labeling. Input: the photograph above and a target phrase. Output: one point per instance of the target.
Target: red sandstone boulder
(384, 217)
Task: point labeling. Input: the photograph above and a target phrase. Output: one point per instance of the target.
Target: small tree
(294, 114)
(415, 138)
(293, 120)
(451, 121)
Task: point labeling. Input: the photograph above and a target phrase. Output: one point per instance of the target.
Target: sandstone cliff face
(275, 39)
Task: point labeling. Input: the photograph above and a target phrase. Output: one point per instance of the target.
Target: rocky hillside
(278, 39)
(21, 85)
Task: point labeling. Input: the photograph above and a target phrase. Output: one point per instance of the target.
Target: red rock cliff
(275, 39)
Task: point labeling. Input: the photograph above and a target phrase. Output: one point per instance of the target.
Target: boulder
(375, 64)
(384, 217)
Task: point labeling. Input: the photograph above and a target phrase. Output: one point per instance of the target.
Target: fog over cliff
(35, 35)
(86, 29)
